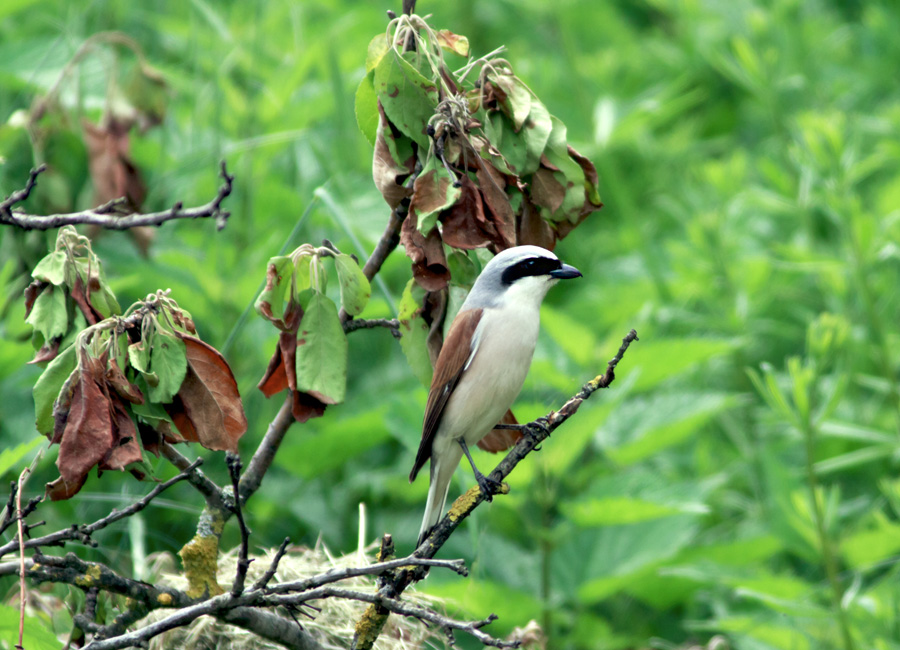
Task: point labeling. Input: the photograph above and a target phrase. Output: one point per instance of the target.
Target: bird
(482, 366)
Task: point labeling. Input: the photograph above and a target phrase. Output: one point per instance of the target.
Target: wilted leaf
(355, 288)
(501, 439)
(408, 97)
(270, 303)
(453, 42)
(208, 408)
(305, 407)
(501, 214)
(464, 224)
(322, 352)
(51, 269)
(433, 191)
(47, 387)
(120, 384)
(49, 315)
(112, 170)
(392, 163)
(427, 255)
(79, 295)
(366, 107)
(274, 380)
(414, 332)
(88, 433)
(32, 291)
(125, 449)
(514, 98)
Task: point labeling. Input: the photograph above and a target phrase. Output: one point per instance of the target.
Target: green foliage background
(750, 166)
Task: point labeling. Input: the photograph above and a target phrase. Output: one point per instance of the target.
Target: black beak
(565, 273)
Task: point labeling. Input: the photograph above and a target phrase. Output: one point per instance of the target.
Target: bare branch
(273, 566)
(378, 568)
(206, 486)
(234, 470)
(83, 532)
(391, 323)
(265, 452)
(396, 607)
(109, 215)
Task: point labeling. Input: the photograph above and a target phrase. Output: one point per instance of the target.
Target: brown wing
(447, 371)
(501, 439)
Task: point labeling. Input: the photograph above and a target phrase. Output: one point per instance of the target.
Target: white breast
(492, 382)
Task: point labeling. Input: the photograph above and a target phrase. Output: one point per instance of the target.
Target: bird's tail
(441, 473)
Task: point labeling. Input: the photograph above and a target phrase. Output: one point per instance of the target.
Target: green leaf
(414, 331)
(661, 359)
(168, 361)
(51, 269)
(139, 358)
(322, 351)
(376, 50)
(409, 98)
(270, 303)
(367, 108)
(37, 634)
(355, 288)
(49, 315)
(536, 133)
(642, 427)
(615, 510)
(48, 385)
(867, 548)
(12, 456)
(517, 101)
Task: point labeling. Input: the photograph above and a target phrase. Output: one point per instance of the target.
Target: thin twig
(21, 539)
(206, 486)
(83, 532)
(105, 217)
(357, 324)
(459, 566)
(273, 566)
(234, 470)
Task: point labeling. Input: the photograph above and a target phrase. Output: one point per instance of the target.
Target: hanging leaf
(355, 288)
(208, 408)
(51, 268)
(392, 163)
(414, 332)
(322, 352)
(49, 316)
(434, 190)
(270, 303)
(48, 386)
(169, 364)
(451, 42)
(408, 97)
(366, 107)
(427, 255)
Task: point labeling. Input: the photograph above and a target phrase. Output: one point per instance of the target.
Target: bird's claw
(488, 486)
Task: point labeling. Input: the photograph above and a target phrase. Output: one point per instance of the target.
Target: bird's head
(522, 275)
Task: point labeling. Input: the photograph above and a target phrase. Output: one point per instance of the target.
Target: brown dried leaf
(546, 190)
(32, 291)
(390, 174)
(88, 434)
(493, 184)
(209, 397)
(533, 229)
(465, 224)
(306, 407)
(120, 384)
(125, 449)
(48, 351)
(275, 379)
(79, 295)
(112, 171)
(427, 255)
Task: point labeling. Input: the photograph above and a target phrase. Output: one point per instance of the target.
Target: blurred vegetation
(739, 477)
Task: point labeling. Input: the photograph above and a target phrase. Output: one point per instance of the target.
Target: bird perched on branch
(482, 365)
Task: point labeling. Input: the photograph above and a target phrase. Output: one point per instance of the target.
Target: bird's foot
(488, 486)
(539, 426)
